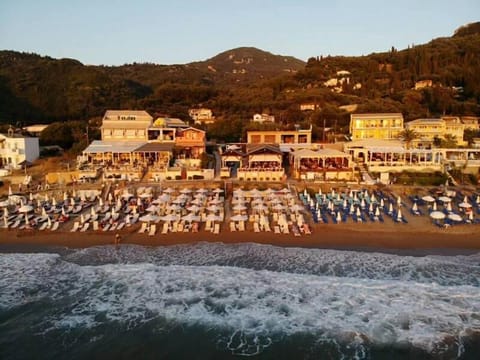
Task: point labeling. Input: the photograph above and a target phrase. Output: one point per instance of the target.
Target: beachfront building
(17, 150)
(376, 126)
(430, 129)
(263, 118)
(262, 162)
(133, 147)
(470, 123)
(286, 139)
(321, 164)
(202, 116)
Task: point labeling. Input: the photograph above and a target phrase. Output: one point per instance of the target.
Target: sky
(115, 32)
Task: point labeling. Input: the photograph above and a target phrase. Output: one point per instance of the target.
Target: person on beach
(117, 238)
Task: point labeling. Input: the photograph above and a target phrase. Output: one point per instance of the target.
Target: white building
(202, 116)
(16, 148)
(263, 118)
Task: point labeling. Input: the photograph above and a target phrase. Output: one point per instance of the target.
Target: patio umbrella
(239, 218)
(25, 208)
(434, 206)
(428, 198)
(437, 215)
(297, 207)
(455, 217)
(339, 216)
(239, 207)
(168, 190)
(171, 217)
(201, 191)
(215, 201)
(444, 199)
(191, 217)
(464, 205)
(382, 203)
(149, 218)
(185, 191)
(213, 217)
(193, 208)
(152, 208)
(390, 208)
(164, 197)
(449, 206)
(377, 211)
(213, 208)
(414, 207)
(217, 191)
(399, 215)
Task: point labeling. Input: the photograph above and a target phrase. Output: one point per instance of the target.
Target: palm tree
(408, 136)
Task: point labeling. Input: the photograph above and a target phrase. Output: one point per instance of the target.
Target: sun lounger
(143, 228)
(276, 229)
(256, 227)
(113, 227)
(153, 230)
(165, 228)
(76, 226)
(44, 226)
(121, 225)
(106, 227)
(232, 226)
(241, 226)
(85, 227)
(15, 224)
(55, 226)
(306, 229)
(95, 226)
(285, 230)
(216, 229)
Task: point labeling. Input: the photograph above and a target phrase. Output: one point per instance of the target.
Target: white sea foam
(254, 306)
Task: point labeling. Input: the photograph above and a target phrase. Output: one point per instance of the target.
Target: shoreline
(404, 241)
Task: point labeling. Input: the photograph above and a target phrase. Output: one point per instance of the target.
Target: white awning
(98, 146)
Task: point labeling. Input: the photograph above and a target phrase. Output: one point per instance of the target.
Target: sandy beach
(341, 236)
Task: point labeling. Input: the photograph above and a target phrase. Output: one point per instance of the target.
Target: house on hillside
(376, 126)
(17, 150)
(201, 116)
(263, 118)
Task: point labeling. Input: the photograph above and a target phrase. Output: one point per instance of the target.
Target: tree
(408, 136)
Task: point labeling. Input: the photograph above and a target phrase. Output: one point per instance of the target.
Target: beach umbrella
(193, 208)
(149, 218)
(92, 211)
(144, 195)
(455, 217)
(54, 202)
(339, 216)
(279, 207)
(239, 218)
(477, 199)
(444, 199)
(100, 202)
(197, 202)
(10, 192)
(63, 211)
(297, 208)
(239, 207)
(399, 215)
(362, 203)
(377, 212)
(437, 215)
(219, 191)
(82, 219)
(428, 198)
(25, 208)
(30, 197)
(470, 215)
(203, 191)
(373, 198)
(152, 208)
(449, 207)
(65, 196)
(49, 222)
(213, 208)
(82, 196)
(191, 217)
(44, 212)
(215, 201)
(464, 205)
(370, 208)
(414, 207)
(127, 219)
(127, 195)
(305, 192)
(434, 206)
(465, 199)
(72, 201)
(390, 208)
(171, 217)
(345, 203)
(134, 211)
(399, 201)
(352, 209)
(358, 212)
(164, 198)
(139, 201)
(174, 207)
(185, 191)
(45, 198)
(213, 217)
(260, 207)
(382, 202)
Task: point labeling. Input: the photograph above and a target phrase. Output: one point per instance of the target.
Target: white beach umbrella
(362, 203)
(434, 206)
(449, 206)
(428, 198)
(203, 191)
(63, 211)
(477, 200)
(415, 207)
(213, 208)
(194, 208)
(217, 191)
(444, 199)
(470, 215)
(465, 199)
(149, 218)
(358, 212)
(191, 217)
(399, 215)
(185, 191)
(54, 202)
(239, 218)
(339, 216)
(352, 209)
(239, 207)
(215, 201)
(382, 202)
(168, 190)
(370, 208)
(438, 215)
(152, 208)
(297, 208)
(455, 217)
(373, 198)
(45, 197)
(213, 217)
(25, 208)
(260, 207)
(92, 211)
(390, 208)
(464, 205)
(72, 201)
(171, 217)
(30, 197)
(399, 201)
(44, 212)
(174, 207)
(377, 211)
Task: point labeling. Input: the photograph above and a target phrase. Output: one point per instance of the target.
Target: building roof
(127, 124)
(155, 147)
(425, 121)
(263, 148)
(372, 115)
(98, 146)
(115, 113)
(364, 143)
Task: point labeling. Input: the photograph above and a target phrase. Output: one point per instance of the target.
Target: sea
(230, 301)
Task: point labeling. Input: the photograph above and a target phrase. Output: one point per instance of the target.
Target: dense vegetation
(240, 82)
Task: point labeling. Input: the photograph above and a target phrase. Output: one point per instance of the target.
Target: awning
(98, 146)
(155, 147)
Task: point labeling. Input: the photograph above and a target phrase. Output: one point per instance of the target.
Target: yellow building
(429, 129)
(125, 125)
(376, 126)
(279, 136)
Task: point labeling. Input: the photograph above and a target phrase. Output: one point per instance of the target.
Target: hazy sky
(114, 32)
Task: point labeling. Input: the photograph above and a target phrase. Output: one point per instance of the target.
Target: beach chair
(276, 229)
(85, 227)
(165, 228)
(113, 227)
(55, 226)
(306, 229)
(121, 225)
(241, 226)
(232, 226)
(143, 228)
(256, 227)
(76, 226)
(216, 229)
(44, 226)
(95, 226)
(153, 230)
(106, 227)
(285, 230)
(208, 226)
(266, 227)
(15, 224)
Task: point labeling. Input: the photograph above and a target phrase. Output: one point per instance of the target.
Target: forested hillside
(240, 82)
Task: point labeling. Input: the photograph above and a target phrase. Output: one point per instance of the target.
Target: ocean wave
(443, 270)
(250, 308)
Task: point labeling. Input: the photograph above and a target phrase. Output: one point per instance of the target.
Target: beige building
(280, 136)
(202, 116)
(376, 126)
(263, 118)
(125, 125)
(470, 122)
(429, 129)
